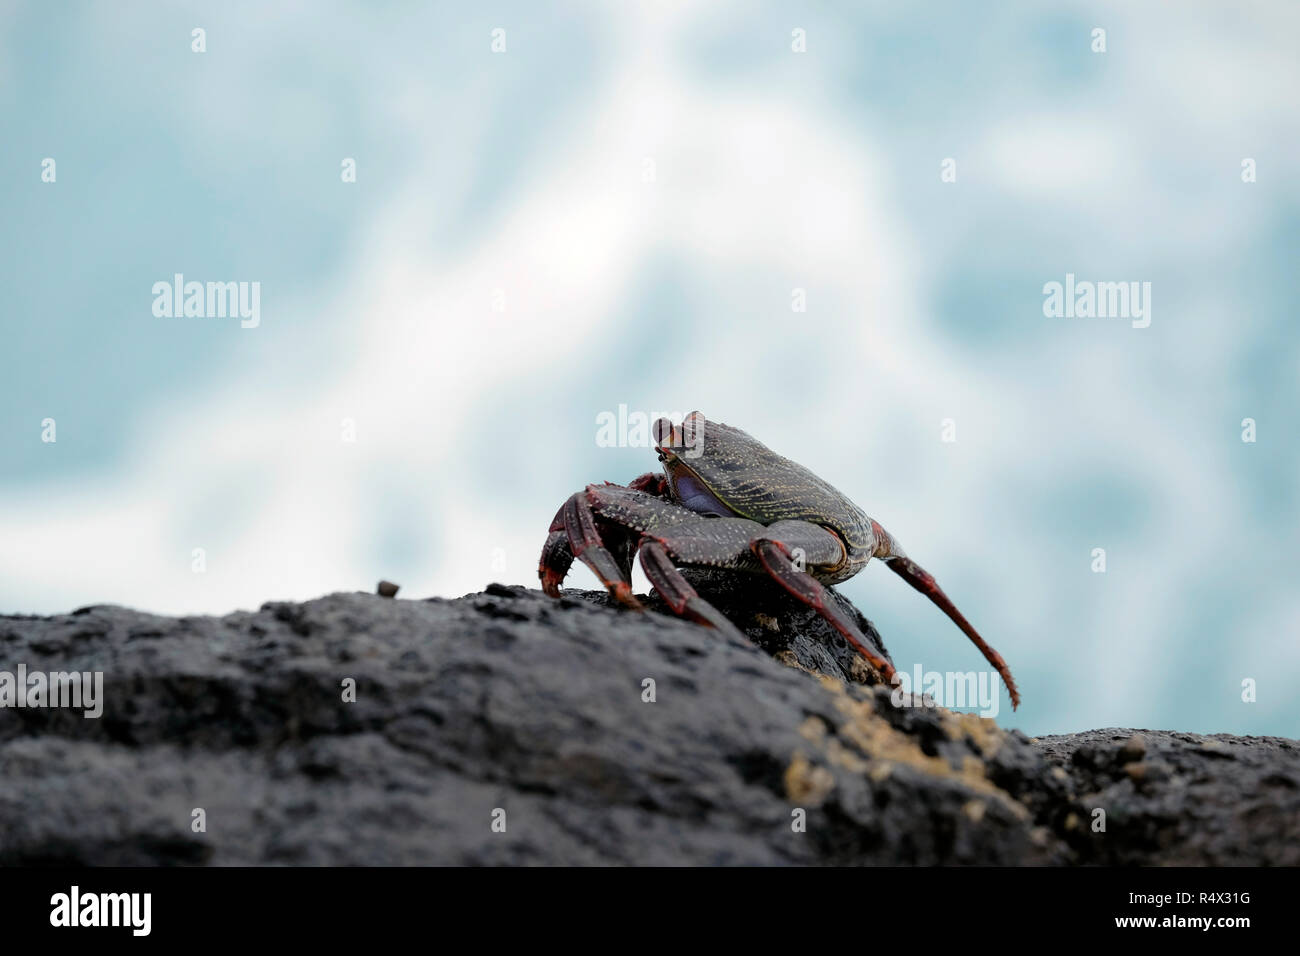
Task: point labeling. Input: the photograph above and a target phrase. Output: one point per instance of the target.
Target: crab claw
(923, 581)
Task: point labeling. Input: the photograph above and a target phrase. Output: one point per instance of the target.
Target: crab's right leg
(652, 483)
(573, 534)
(677, 592)
(557, 553)
(671, 535)
(557, 556)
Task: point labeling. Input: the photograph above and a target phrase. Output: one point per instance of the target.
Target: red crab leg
(587, 547)
(677, 591)
(555, 562)
(923, 581)
(888, 550)
(776, 559)
(557, 556)
(680, 537)
(652, 483)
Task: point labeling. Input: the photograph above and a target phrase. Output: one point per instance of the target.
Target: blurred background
(560, 209)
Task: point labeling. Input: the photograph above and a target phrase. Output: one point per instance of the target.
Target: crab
(728, 503)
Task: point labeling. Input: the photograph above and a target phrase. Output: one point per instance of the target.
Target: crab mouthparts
(693, 494)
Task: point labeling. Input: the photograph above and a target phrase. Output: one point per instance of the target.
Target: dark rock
(1192, 800)
(510, 701)
(1134, 748)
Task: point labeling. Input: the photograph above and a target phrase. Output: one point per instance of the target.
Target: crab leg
(586, 545)
(557, 556)
(889, 551)
(820, 547)
(652, 483)
(574, 533)
(923, 581)
(677, 591)
(670, 535)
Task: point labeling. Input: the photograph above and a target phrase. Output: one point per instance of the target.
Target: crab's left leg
(775, 549)
(888, 550)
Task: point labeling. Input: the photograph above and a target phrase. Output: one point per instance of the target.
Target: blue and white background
(617, 209)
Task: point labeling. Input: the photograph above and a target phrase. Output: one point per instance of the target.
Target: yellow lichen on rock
(787, 658)
(806, 783)
(882, 747)
(983, 733)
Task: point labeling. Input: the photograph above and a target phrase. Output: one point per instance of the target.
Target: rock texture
(506, 705)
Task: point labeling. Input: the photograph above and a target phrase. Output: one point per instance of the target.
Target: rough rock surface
(509, 701)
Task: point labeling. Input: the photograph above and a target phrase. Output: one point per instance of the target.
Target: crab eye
(692, 426)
